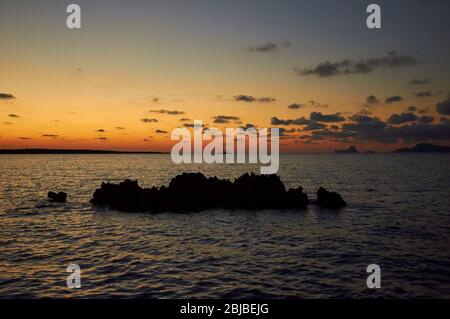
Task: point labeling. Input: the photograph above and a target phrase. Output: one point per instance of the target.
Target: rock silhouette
(328, 199)
(192, 192)
(351, 150)
(57, 197)
(424, 148)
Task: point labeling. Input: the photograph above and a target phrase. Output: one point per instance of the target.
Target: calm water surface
(398, 217)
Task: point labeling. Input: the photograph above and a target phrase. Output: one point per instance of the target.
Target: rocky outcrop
(351, 150)
(424, 148)
(191, 192)
(57, 197)
(328, 199)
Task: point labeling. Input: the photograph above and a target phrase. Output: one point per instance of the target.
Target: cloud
(146, 120)
(402, 118)
(160, 131)
(393, 99)
(414, 133)
(269, 47)
(427, 93)
(100, 130)
(266, 99)
(362, 66)
(220, 119)
(25, 138)
(424, 110)
(13, 115)
(6, 96)
(444, 107)
(425, 119)
(365, 112)
(119, 128)
(102, 138)
(169, 112)
(423, 94)
(372, 100)
(333, 134)
(364, 125)
(309, 125)
(310, 103)
(7, 123)
(248, 125)
(295, 106)
(299, 121)
(50, 135)
(184, 119)
(265, 48)
(249, 99)
(319, 117)
(372, 129)
(421, 81)
(316, 104)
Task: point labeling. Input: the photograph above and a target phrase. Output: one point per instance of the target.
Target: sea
(398, 217)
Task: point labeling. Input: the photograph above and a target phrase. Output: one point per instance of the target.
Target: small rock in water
(57, 197)
(328, 199)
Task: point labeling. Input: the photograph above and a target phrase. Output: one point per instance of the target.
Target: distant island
(351, 150)
(68, 151)
(424, 148)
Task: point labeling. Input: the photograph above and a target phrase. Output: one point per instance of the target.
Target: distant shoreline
(419, 148)
(70, 151)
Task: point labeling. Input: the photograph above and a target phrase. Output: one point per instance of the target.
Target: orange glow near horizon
(91, 88)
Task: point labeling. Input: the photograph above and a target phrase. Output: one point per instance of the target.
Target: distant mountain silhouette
(68, 151)
(352, 149)
(424, 148)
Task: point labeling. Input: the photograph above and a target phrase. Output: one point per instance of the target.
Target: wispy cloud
(393, 99)
(50, 135)
(6, 96)
(362, 66)
(249, 99)
(427, 93)
(402, 118)
(169, 112)
(146, 120)
(269, 47)
(295, 106)
(372, 100)
(327, 118)
(421, 81)
(221, 119)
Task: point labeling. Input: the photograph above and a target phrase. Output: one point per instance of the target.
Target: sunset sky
(138, 69)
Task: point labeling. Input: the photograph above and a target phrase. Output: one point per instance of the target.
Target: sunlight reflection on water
(398, 217)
